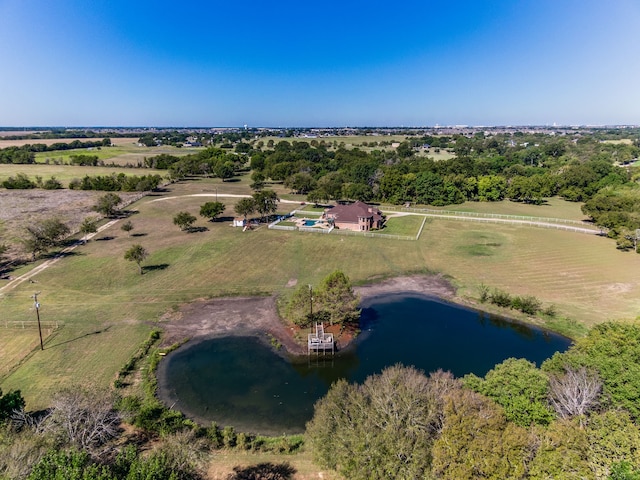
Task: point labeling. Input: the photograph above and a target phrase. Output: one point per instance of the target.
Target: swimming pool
(310, 223)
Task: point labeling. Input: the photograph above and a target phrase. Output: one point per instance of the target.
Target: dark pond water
(241, 381)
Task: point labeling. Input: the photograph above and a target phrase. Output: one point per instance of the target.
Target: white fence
(541, 222)
(28, 324)
(275, 226)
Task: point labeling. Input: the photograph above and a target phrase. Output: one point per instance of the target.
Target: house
(357, 216)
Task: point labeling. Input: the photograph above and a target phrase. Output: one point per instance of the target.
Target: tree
(107, 204)
(491, 188)
(82, 418)
(258, 180)
(612, 350)
(211, 210)
(224, 170)
(613, 439)
(336, 297)
(89, 225)
(137, 253)
(519, 387)
(563, 452)
(10, 402)
(574, 393)
(44, 235)
(184, 220)
(477, 441)
(334, 301)
(299, 306)
(266, 202)
(381, 429)
(127, 227)
(245, 206)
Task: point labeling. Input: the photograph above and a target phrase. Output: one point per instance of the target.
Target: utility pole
(36, 304)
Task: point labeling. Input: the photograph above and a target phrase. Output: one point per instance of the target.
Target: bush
(529, 304)
(19, 182)
(500, 298)
(229, 437)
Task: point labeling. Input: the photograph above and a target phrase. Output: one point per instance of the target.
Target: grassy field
(553, 208)
(66, 173)
(127, 153)
(408, 225)
(358, 141)
(108, 308)
(4, 143)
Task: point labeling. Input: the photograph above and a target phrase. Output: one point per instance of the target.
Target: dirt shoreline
(258, 316)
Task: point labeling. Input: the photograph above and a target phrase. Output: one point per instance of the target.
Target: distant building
(357, 216)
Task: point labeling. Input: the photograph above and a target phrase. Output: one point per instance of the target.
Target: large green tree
(381, 429)
(477, 441)
(333, 301)
(520, 388)
(107, 204)
(136, 253)
(212, 210)
(184, 220)
(43, 235)
(245, 207)
(89, 225)
(266, 202)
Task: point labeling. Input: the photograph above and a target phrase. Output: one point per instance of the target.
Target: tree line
(26, 153)
(116, 182)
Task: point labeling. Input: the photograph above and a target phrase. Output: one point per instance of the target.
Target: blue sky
(330, 63)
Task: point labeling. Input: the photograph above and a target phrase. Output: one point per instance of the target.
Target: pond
(243, 382)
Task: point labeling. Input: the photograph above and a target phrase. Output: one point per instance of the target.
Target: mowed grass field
(108, 309)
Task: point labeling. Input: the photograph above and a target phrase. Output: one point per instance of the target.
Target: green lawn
(408, 225)
(108, 308)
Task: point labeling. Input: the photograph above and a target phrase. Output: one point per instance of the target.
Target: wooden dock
(320, 341)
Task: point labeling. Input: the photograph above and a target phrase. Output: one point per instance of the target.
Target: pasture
(362, 142)
(108, 309)
(66, 173)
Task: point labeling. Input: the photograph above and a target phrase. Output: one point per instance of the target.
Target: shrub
(500, 298)
(529, 304)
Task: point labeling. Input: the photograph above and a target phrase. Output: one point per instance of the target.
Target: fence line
(275, 226)
(504, 221)
(24, 324)
(484, 215)
(424, 220)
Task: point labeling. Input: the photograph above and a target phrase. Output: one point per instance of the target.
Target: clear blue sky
(330, 63)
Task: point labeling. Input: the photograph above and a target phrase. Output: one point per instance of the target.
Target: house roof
(351, 212)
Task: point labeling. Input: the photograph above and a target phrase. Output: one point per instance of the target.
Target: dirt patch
(222, 317)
